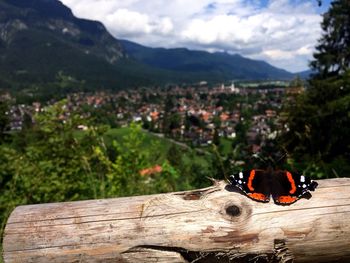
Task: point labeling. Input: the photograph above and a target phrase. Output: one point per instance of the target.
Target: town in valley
(196, 115)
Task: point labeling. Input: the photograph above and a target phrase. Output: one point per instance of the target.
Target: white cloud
(283, 32)
(216, 30)
(123, 21)
(277, 54)
(165, 26)
(305, 50)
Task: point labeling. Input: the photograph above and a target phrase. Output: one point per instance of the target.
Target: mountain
(219, 64)
(305, 74)
(41, 41)
(40, 38)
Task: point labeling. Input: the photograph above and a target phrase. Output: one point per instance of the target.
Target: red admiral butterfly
(286, 188)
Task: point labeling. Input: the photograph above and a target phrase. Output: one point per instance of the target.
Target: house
(224, 117)
(154, 115)
(150, 171)
(270, 113)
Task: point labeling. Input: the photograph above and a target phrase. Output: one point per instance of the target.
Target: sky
(281, 32)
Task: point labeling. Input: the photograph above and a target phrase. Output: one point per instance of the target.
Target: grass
(162, 145)
(225, 146)
(149, 141)
(190, 158)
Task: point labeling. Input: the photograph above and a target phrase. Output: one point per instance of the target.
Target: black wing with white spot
(287, 188)
(254, 183)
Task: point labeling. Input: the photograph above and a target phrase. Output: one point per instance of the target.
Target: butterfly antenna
(282, 157)
(256, 155)
(272, 161)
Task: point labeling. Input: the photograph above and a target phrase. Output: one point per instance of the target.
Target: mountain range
(221, 64)
(42, 39)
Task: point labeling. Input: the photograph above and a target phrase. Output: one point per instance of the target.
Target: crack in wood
(65, 218)
(333, 186)
(299, 209)
(219, 256)
(73, 246)
(281, 252)
(107, 220)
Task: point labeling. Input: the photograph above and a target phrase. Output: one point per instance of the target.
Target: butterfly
(284, 187)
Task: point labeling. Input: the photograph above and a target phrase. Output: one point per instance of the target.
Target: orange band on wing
(292, 183)
(257, 196)
(287, 199)
(250, 180)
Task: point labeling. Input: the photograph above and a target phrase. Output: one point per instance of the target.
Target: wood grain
(215, 224)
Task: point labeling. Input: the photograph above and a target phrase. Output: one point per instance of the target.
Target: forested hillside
(41, 40)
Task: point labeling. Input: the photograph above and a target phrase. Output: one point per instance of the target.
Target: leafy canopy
(319, 121)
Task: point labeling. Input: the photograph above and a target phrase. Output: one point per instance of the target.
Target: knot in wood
(233, 210)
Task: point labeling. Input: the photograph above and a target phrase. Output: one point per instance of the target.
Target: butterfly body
(284, 187)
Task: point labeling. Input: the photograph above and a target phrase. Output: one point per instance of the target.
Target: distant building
(294, 90)
(152, 170)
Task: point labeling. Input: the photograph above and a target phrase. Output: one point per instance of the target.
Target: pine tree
(319, 122)
(4, 120)
(333, 51)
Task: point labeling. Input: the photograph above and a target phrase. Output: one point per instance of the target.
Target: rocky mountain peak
(54, 18)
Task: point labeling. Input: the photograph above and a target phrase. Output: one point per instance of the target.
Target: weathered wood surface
(215, 224)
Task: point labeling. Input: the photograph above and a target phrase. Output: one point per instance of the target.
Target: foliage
(4, 120)
(52, 162)
(52, 166)
(319, 124)
(319, 121)
(123, 176)
(333, 54)
(297, 82)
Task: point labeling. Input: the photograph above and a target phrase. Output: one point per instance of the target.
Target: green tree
(216, 137)
(319, 122)
(174, 155)
(4, 120)
(175, 121)
(297, 82)
(60, 163)
(333, 53)
(168, 115)
(124, 177)
(57, 163)
(217, 121)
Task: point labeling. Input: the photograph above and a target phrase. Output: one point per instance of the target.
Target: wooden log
(215, 224)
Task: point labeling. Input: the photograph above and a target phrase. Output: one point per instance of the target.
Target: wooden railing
(214, 224)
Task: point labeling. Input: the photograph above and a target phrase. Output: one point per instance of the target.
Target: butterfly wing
(254, 183)
(287, 188)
